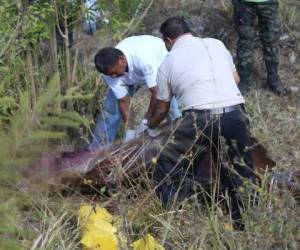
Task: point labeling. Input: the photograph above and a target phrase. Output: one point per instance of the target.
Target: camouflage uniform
(270, 28)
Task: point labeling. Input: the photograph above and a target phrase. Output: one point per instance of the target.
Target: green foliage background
(39, 105)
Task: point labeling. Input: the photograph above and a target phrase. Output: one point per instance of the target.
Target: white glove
(129, 135)
(153, 132)
(143, 126)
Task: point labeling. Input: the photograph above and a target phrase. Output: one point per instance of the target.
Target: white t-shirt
(144, 55)
(199, 73)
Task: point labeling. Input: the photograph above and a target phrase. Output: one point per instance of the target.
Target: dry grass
(49, 221)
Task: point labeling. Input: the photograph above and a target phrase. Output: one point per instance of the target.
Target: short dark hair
(106, 58)
(173, 27)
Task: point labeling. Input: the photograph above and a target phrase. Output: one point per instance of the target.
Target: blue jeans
(90, 27)
(108, 122)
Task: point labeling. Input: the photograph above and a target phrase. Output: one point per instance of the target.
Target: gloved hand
(143, 126)
(153, 132)
(129, 135)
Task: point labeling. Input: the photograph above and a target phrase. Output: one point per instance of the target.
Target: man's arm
(164, 95)
(126, 111)
(236, 77)
(160, 113)
(152, 104)
(233, 67)
(117, 85)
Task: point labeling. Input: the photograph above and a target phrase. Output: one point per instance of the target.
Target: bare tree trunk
(75, 60)
(53, 49)
(77, 38)
(53, 54)
(75, 66)
(30, 72)
(29, 76)
(67, 50)
(65, 35)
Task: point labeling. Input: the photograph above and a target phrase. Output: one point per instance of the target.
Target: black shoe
(245, 76)
(278, 88)
(238, 225)
(274, 82)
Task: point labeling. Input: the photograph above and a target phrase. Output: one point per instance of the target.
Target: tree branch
(12, 37)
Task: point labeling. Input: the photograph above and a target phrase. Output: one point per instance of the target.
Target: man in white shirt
(132, 62)
(201, 75)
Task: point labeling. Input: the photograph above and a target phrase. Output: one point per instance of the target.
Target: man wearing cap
(200, 73)
(134, 61)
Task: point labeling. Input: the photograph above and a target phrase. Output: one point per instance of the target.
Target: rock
(284, 37)
(292, 57)
(294, 89)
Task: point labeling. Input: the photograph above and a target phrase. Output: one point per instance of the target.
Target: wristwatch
(146, 122)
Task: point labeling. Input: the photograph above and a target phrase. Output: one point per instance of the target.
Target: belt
(216, 111)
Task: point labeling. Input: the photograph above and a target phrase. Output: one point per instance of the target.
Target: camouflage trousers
(269, 25)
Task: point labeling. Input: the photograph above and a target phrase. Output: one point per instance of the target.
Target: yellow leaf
(228, 227)
(154, 160)
(89, 214)
(98, 232)
(147, 243)
(100, 226)
(99, 241)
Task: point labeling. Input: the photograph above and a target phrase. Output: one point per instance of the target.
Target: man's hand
(143, 126)
(126, 111)
(161, 112)
(152, 103)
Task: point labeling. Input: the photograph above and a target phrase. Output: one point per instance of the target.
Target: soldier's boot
(245, 76)
(273, 81)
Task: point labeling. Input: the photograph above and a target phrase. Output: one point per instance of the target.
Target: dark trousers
(269, 24)
(197, 133)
